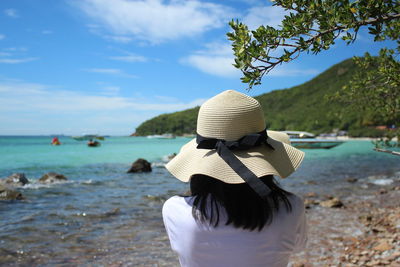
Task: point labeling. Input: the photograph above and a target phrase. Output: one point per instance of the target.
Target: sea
(104, 216)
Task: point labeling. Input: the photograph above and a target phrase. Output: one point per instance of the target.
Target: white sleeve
(166, 220)
(301, 231)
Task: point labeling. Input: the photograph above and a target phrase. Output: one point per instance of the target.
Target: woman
(237, 215)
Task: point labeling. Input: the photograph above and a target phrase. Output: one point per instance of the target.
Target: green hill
(304, 108)
(178, 123)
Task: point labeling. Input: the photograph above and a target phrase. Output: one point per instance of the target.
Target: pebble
(331, 203)
(383, 245)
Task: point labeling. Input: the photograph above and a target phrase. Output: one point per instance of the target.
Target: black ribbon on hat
(224, 149)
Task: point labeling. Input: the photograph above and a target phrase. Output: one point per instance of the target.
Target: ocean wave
(34, 184)
(158, 164)
(91, 182)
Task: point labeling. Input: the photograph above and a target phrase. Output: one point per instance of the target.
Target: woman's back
(236, 215)
(200, 244)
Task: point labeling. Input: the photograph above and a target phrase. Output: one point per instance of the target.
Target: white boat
(161, 136)
(315, 143)
(308, 140)
(299, 134)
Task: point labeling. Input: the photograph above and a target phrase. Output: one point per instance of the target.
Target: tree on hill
(300, 107)
(314, 26)
(179, 123)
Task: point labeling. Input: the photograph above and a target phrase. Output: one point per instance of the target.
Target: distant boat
(55, 141)
(299, 134)
(308, 140)
(88, 137)
(93, 143)
(161, 136)
(315, 143)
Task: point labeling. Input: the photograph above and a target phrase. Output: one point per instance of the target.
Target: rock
(310, 194)
(372, 263)
(9, 194)
(52, 177)
(308, 203)
(394, 256)
(351, 180)
(17, 179)
(114, 212)
(378, 229)
(331, 203)
(140, 165)
(311, 182)
(383, 245)
(382, 191)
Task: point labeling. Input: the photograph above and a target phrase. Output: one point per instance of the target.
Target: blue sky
(100, 66)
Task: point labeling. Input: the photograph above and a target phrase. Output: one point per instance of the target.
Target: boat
(55, 141)
(300, 139)
(299, 134)
(161, 136)
(88, 137)
(92, 143)
(315, 143)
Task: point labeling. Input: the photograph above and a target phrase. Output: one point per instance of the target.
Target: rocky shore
(358, 229)
(354, 221)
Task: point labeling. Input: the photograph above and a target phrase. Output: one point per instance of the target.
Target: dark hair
(244, 208)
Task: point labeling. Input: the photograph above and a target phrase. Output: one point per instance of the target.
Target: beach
(103, 216)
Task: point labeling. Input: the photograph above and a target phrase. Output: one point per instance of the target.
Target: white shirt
(201, 245)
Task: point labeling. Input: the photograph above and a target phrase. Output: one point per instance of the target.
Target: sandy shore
(362, 230)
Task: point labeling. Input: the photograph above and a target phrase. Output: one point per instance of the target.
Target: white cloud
(116, 72)
(47, 32)
(11, 13)
(215, 65)
(264, 15)
(2, 36)
(111, 90)
(17, 96)
(118, 39)
(130, 58)
(15, 55)
(216, 59)
(17, 60)
(155, 21)
(16, 49)
(98, 30)
(45, 109)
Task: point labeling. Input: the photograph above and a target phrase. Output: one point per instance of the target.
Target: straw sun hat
(226, 117)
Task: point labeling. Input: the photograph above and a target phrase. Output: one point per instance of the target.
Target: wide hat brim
(281, 161)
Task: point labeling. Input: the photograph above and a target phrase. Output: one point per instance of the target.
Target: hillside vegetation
(305, 108)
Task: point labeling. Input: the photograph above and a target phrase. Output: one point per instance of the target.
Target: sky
(103, 67)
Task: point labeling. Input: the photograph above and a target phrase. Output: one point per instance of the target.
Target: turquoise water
(30, 153)
(103, 216)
